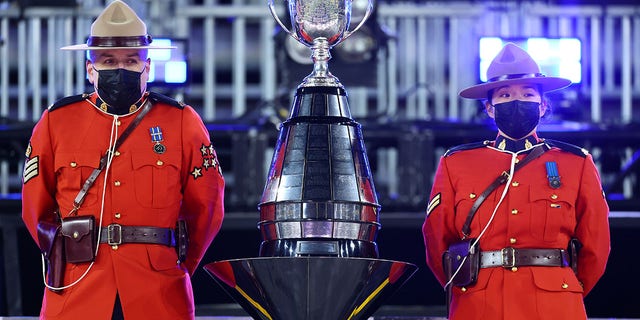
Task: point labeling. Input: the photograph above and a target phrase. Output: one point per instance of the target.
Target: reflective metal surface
(310, 288)
(320, 186)
(320, 25)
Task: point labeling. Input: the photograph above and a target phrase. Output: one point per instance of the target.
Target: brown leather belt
(512, 257)
(115, 234)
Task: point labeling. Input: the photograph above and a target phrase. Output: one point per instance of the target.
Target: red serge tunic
(532, 215)
(141, 188)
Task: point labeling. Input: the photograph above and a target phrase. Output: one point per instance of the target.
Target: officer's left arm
(203, 188)
(592, 213)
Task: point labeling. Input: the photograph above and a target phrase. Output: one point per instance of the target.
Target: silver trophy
(320, 25)
(319, 212)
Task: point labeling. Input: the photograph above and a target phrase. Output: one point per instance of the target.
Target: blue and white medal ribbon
(156, 136)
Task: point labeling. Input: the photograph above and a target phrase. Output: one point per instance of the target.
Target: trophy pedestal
(310, 288)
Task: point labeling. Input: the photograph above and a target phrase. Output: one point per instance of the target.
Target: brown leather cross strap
(103, 161)
(115, 234)
(512, 257)
(536, 152)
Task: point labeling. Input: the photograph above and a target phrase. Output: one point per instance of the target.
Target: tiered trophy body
(319, 213)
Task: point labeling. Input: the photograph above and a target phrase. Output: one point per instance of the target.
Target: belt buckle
(111, 240)
(504, 176)
(508, 257)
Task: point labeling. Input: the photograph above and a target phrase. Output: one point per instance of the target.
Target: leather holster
(52, 248)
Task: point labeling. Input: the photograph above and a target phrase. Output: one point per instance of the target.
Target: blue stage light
(557, 57)
(168, 67)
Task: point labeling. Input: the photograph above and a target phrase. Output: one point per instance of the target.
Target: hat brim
(481, 91)
(84, 46)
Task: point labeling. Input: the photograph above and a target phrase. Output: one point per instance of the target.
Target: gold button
(554, 196)
(515, 183)
(473, 195)
(75, 234)
(514, 211)
(565, 286)
(117, 153)
(159, 162)
(514, 269)
(463, 289)
(114, 247)
(517, 160)
(73, 164)
(512, 240)
(117, 215)
(118, 123)
(117, 183)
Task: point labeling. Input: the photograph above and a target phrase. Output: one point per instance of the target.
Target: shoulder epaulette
(467, 146)
(67, 101)
(157, 97)
(567, 147)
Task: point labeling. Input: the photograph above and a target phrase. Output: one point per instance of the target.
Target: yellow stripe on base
(254, 303)
(369, 298)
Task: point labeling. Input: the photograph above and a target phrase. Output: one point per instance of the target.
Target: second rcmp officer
(164, 171)
(516, 203)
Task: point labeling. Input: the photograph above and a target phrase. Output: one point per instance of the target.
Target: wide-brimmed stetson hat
(117, 27)
(511, 66)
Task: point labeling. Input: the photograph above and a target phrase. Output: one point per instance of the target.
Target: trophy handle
(366, 17)
(272, 9)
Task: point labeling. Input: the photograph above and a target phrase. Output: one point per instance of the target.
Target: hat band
(516, 76)
(140, 41)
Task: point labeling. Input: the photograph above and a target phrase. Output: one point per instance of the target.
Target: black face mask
(517, 118)
(119, 88)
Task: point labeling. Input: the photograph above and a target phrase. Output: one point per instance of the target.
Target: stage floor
(372, 318)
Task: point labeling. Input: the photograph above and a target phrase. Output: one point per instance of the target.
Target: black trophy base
(310, 288)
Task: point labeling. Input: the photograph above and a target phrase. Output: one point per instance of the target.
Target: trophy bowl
(320, 25)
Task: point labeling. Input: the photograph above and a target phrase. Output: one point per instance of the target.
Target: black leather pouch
(454, 259)
(182, 240)
(79, 238)
(573, 249)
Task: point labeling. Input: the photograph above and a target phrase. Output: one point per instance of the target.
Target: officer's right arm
(438, 229)
(39, 183)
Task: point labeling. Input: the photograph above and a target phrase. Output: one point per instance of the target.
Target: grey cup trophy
(320, 25)
(319, 212)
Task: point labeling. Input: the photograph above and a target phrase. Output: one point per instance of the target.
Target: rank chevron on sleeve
(435, 201)
(30, 169)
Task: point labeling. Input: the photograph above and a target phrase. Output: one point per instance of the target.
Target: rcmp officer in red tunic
(536, 242)
(163, 171)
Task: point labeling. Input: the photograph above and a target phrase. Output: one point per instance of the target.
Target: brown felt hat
(513, 65)
(117, 27)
